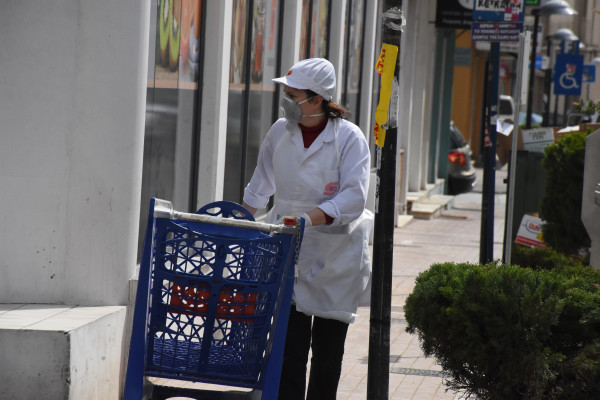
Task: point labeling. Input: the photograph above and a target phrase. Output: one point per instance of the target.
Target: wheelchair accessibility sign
(568, 74)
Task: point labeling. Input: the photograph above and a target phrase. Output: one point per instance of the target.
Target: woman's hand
(317, 216)
(251, 209)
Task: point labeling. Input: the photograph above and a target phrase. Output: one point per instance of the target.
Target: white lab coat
(334, 265)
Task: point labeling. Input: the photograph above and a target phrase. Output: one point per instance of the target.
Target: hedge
(508, 332)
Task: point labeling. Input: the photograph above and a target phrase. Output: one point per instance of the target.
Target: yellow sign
(386, 65)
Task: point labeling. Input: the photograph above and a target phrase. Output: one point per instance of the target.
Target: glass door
(172, 105)
(255, 53)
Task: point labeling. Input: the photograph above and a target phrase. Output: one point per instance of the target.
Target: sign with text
(386, 65)
(530, 232)
(457, 14)
(499, 10)
(496, 31)
(537, 139)
(568, 74)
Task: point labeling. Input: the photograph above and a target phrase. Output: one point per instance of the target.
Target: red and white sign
(530, 232)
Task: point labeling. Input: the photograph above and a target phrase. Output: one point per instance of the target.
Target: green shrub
(544, 258)
(561, 205)
(507, 332)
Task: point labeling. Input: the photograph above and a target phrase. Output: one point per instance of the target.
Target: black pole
(548, 83)
(555, 120)
(536, 24)
(486, 150)
(381, 292)
(486, 241)
(483, 126)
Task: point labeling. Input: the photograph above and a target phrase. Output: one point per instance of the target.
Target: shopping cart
(212, 302)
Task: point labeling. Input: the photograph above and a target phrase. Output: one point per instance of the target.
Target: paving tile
(451, 237)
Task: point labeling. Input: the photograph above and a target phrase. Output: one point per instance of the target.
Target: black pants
(328, 338)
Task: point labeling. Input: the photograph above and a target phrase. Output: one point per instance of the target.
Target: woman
(317, 166)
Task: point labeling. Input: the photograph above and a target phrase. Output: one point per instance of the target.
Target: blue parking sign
(589, 73)
(568, 74)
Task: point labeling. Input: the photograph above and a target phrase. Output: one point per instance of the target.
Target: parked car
(461, 174)
(506, 106)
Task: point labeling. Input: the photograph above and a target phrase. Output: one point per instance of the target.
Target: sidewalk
(451, 237)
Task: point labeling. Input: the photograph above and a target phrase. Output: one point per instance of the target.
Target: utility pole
(386, 132)
(486, 243)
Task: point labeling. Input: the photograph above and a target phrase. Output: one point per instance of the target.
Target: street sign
(457, 14)
(589, 73)
(495, 10)
(568, 74)
(496, 31)
(570, 46)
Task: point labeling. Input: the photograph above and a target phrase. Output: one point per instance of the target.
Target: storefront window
(353, 46)
(314, 41)
(252, 96)
(171, 136)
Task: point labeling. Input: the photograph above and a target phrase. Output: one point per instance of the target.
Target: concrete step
(422, 210)
(445, 201)
(64, 352)
(403, 220)
(428, 207)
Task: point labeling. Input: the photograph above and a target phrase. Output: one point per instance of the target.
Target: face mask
(292, 111)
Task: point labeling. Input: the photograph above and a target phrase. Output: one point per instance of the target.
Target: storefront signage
(499, 10)
(457, 14)
(496, 31)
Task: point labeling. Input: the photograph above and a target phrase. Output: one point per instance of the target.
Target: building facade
(105, 104)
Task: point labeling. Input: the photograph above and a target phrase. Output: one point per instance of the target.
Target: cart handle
(164, 209)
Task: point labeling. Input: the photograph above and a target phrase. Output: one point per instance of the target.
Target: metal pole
(536, 24)
(486, 245)
(524, 39)
(547, 83)
(385, 203)
(485, 152)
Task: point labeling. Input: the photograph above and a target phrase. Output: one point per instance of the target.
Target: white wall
(72, 84)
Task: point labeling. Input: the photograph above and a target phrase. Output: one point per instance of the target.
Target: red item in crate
(230, 304)
(190, 298)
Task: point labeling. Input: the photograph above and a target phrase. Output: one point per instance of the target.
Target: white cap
(316, 74)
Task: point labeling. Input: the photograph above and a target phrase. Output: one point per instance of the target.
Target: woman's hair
(333, 110)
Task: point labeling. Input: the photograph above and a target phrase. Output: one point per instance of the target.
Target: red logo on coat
(331, 188)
